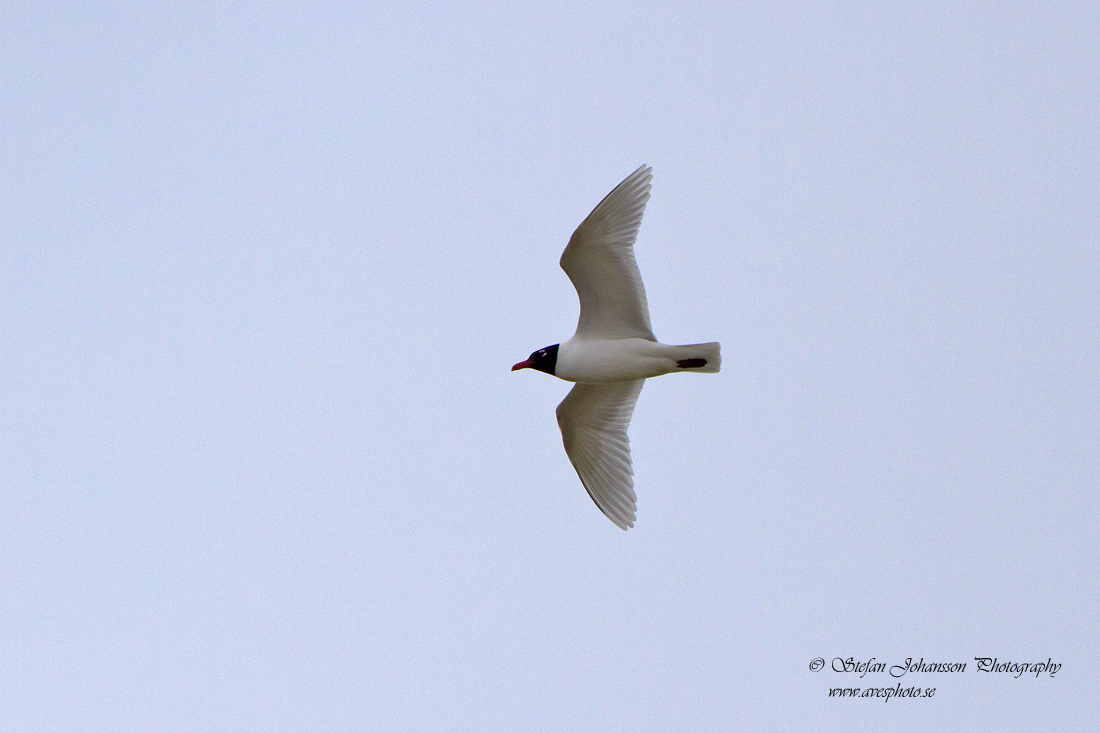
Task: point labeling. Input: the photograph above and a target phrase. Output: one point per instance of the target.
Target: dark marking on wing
(691, 363)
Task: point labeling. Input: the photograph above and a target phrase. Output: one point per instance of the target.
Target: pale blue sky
(263, 272)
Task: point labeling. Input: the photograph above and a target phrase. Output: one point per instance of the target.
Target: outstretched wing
(599, 259)
(593, 419)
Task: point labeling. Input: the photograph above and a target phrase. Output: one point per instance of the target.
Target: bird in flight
(613, 351)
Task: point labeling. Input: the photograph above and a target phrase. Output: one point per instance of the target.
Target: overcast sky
(264, 269)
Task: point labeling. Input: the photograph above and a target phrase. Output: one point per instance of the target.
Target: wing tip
(643, 176)
(623, 521)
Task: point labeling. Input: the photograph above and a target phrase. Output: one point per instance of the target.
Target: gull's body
(613, 351)
(616, 360)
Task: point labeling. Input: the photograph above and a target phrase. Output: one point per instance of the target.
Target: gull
(613, 350)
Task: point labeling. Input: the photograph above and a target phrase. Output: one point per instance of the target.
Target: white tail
(706, 358)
